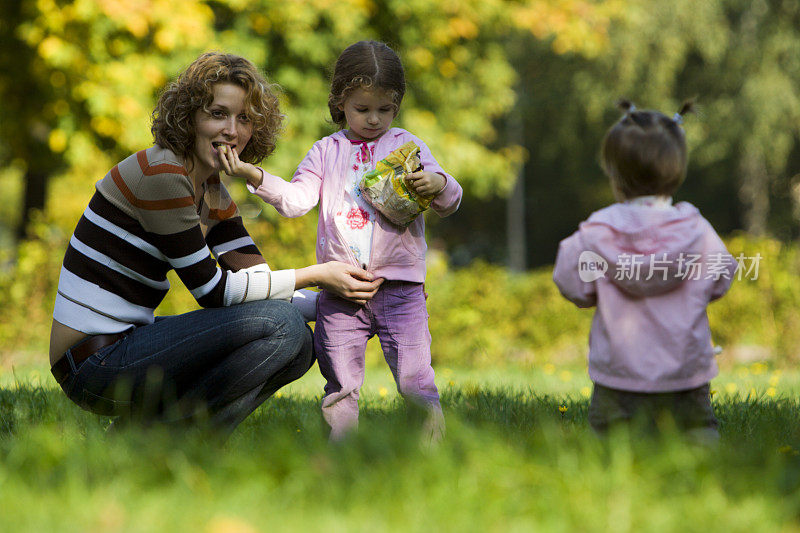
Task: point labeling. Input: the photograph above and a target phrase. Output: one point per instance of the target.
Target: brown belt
(81, 352)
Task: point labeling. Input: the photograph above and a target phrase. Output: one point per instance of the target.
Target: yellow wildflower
(787, 450)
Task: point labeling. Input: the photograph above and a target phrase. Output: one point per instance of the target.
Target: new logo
(591, 266)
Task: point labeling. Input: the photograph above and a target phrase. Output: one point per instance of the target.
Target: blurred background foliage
(512, 96)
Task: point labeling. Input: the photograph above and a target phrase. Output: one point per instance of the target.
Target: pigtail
(688, 106)
(626, 105)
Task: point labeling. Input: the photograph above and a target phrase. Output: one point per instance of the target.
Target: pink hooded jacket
(648, 335)
(397, 253)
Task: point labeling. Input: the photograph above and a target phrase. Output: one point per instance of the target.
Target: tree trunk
(516, 239)
(35, 192)
(754, 192)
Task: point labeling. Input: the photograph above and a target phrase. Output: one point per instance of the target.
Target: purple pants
(398, 315)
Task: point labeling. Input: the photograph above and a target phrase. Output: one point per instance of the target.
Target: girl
(366, 90)
(651, 268)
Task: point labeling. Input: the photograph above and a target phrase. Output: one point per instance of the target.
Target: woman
(165, 208)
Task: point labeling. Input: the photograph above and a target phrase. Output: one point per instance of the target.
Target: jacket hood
(644, 247)
(341, 137)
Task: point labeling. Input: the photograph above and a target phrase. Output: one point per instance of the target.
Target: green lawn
(518, 456)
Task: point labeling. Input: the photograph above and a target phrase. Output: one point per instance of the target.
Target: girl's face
(225, 122)
(369, 113)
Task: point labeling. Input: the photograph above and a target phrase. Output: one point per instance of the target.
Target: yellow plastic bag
(386, 190)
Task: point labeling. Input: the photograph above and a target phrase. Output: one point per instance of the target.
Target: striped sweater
(143, 221)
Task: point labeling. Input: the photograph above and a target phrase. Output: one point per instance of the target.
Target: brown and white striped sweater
(142, 222)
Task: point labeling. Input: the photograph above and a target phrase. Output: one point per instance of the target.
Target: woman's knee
(275, 317)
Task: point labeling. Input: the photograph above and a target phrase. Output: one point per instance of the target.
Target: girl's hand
(235, 167)
(349, 282)
(426, 183)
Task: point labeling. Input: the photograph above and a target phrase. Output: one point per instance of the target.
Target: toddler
(651, 268)
(367, 88)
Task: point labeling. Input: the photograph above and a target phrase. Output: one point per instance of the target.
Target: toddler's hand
(426, 183)
(235, 167)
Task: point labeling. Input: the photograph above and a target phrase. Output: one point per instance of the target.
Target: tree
(80, 74)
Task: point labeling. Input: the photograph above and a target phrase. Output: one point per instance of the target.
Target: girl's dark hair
(173, 118)
(644, 153)
(367, 64)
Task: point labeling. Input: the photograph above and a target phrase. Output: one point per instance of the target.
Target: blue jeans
(215, 364)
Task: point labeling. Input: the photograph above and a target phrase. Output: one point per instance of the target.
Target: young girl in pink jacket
(367, 87)
(651, 268)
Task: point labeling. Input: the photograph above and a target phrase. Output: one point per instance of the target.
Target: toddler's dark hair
(644, 153)
(366, 64)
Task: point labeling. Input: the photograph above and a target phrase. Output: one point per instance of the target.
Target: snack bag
(385, 187)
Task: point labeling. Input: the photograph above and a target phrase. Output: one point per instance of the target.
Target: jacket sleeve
(297, 197)
(720, 264)
(565, 274)
(448, 200)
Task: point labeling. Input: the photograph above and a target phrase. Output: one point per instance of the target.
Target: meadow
(518, 456)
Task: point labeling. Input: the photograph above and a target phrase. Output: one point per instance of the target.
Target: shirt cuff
(282, 286)
(250, 187)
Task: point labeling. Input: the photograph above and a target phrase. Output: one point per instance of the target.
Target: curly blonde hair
(173, 117)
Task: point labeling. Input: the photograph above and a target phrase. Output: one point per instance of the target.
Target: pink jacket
(648, 335)
(397, 253)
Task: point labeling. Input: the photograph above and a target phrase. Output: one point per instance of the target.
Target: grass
(518, 456)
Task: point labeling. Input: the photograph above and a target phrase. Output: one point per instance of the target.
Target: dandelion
(771, 392)
(451, 383)
(586, 392)
(549, 369)
(279, 394)
(752, 392)
(562, 409)
(565, 375)
(774, 379)
(227, 524)
(713, 392)
(383, 392)
(758, 368)
(730, 388)
(787, 450)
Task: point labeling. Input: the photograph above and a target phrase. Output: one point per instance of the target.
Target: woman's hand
(426, 183)
(235, 167)
(349, 282)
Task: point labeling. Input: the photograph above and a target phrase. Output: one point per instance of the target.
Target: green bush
(485, 314)
(479, 315)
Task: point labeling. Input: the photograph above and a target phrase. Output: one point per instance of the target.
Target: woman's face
(225, 122)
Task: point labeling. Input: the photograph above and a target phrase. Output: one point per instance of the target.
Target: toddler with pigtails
(650, 267)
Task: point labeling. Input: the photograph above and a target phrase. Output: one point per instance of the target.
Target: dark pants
(216, 364)
(690, 409)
